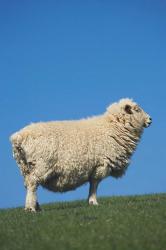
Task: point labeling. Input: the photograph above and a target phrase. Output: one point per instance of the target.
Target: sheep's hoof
(33, 209)
(93, 203)
(30, 209)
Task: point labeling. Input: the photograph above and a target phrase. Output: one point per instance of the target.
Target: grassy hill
(133, 222)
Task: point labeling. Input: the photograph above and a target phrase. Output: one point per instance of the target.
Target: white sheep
(63, 155)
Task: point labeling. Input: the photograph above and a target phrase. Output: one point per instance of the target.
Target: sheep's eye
(137, 109)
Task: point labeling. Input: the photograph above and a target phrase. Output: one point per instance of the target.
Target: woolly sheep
(63, 155)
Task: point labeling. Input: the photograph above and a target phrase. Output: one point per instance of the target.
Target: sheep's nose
(150, 120)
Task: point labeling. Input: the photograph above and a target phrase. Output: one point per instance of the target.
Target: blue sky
(71, 59)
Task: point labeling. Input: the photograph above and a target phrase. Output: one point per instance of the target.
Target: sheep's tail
(19, 153)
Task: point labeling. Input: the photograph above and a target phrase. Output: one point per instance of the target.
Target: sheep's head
(128, 111)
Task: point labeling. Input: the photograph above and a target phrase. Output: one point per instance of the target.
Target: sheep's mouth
(147, 124)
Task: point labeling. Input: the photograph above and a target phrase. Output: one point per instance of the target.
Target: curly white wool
(63, 155)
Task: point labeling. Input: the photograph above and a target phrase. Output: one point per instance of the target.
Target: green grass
(133, 222)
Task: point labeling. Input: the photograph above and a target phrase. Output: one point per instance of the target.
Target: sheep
(63, 155)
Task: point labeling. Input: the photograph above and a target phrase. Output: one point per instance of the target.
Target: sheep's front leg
(31, 203)
(92, 199)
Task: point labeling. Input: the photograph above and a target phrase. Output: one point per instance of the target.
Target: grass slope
(133, 222)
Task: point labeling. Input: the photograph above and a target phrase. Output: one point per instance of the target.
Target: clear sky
(70, 59)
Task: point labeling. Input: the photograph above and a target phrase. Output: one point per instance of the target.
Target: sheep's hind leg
(92, 199)
(31, 203)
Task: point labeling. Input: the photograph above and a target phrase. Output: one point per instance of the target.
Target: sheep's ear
(128, 109)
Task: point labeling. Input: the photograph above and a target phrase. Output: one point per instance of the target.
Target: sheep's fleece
(63, 155)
